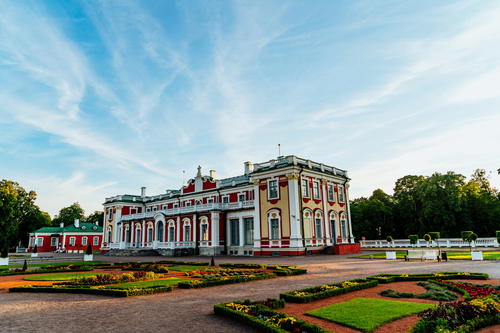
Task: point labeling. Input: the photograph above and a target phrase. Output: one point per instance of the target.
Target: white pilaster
(143, 234)
(256, 222)
(215, 225)
(117, 217)
(240, 224)
(194, 229)
(178, 229)
(326, 222)
(351, 240)
(293, 197)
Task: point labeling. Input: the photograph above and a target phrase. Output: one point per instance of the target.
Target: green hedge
(387, 278)
(228, 280)
(243, 265)
(290, 297)
(290, 271)
(453, 288)
(42, 271)
(91, 291)
(261, 325)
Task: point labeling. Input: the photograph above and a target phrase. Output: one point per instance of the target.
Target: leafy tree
(17, 212)
(427, 238)
(413, 239)
(95, 217)
(68, 215)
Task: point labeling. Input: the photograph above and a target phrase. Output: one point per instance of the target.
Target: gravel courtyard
(191, 310)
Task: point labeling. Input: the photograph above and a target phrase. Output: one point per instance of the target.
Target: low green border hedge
(91, 291)
(229, 280)
(43, 271)
(388, 278)
(290, 297)
(261, 325)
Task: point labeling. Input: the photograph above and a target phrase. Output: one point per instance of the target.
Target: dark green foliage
(436, 292)
(387, 278)
(465, 235)
(89, 249)
(389, 239)
(396, 294)
(413, 239)
(498, 236)
(427, 237)
(48, 269)
(421, 203)
(35, 249)
(314, 296)
(243, 265)
(68, 215)
(435, 235)
(92, 291)
(25, 265)
(212, 262)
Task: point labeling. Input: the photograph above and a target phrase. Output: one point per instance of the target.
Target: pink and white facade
(285, 206)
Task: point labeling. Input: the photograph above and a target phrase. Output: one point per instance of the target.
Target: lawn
(59, 277)
(147, 284)
(451, 255)
(188, 268)
(367, 314)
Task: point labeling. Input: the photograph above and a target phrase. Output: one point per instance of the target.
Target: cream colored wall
(282, 205)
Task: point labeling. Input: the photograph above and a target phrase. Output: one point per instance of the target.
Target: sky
(99, 98)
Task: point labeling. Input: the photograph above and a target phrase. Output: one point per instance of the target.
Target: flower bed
(48, 269)
(90, 290)
(218, 273)
(327, 290)
(157, 268)
(434, 292)
(388, 278)
(468, 290)
(264, 318)
(209, 281)
(462, 316)
(105, 279)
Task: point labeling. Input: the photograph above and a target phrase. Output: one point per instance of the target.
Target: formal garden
(420, 303)
(133, 278)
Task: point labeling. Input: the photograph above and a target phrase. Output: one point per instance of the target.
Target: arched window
(138, 235)
(159, 231)
(343, 227)
(274, 221)
(127, 234)
(204, 228)
(318, 224)
(307, 216)
(333, 225)
(171, 231)
(110, 234)
(150, 233)
(187, 230)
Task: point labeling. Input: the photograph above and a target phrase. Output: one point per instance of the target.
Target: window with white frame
(234, 225)
(53, 241)
(241, 197)
(273, 190)
(333, 225)
(318, 226)
(72, 241)
(248, 230)
(171, 233)
(150, 234)
(341, 193)
(159, 231)
(148, 209)
(84, 240)
(187, 233)
(331, 193)
(274, 225)
(343, 227)
(210, 200)
(110, 213)
(305, 188)
(176, 205)
(39, 241)
(204, 231)
(316, 191)
(187, 203)
(225, 199)
(307, 224)
(96, 239)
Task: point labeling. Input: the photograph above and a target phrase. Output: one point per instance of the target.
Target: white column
(326, 222)
(63, 245)
(214, 224)
(143, 235)
(293, 197)
(116, 218)
(348, 212)
(241, 231)
(256, 222)
(194, 231)
(178, 229)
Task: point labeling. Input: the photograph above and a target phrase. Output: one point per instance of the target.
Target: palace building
(286, 206)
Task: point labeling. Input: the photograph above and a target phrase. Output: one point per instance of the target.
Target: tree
(17, 208)
(68, 215)
(435, 235)
(95, 217)
(466, 238)
(89, 249)
(413, 239)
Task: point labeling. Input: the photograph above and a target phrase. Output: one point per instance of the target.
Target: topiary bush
(413, 239)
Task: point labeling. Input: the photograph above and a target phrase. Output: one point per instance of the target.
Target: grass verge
(60, 277)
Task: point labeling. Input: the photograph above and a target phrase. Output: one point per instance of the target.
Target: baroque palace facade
(287, 206)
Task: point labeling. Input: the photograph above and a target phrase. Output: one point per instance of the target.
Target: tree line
(19, 215)
(448, 203)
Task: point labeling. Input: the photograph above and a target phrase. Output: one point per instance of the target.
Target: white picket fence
(443, 242)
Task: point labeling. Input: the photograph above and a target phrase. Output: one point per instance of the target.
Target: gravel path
(191, 310)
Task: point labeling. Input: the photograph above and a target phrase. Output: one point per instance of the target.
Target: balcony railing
(192, 209)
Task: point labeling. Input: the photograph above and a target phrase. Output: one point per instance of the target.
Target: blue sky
(99, 98)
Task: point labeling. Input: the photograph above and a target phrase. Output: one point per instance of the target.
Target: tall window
(225, 199)
(39, 241)
(305, 188)
(275, 228)
(187, 233)
(109, 235)
(159, 232)
(53, 241)
(235, 232)
(241, 197)
(331, 193)
(96, 240)
(343, 227)
(150, 234)
(316, 190)
(210, 200)
(273, 189)
(317, 223)
(248, 230)
(84, 240)
(72, 241)
(110, 213)
(307, 224)
(204, 232)
(171, 234)
(341, 193)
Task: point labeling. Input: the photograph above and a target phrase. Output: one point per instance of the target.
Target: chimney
(77, 223)
(61, 225)
(248, 167)
(213, 174)
(143, 191)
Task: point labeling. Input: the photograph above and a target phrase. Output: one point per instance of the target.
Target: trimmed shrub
(498, 236)
(209, 282)
(325, 291)
(387, 278)
(89, 249)
(413, 239)
(243, 265)
(427, 237)
(389, 239)
(35, 249)
(92, 291)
